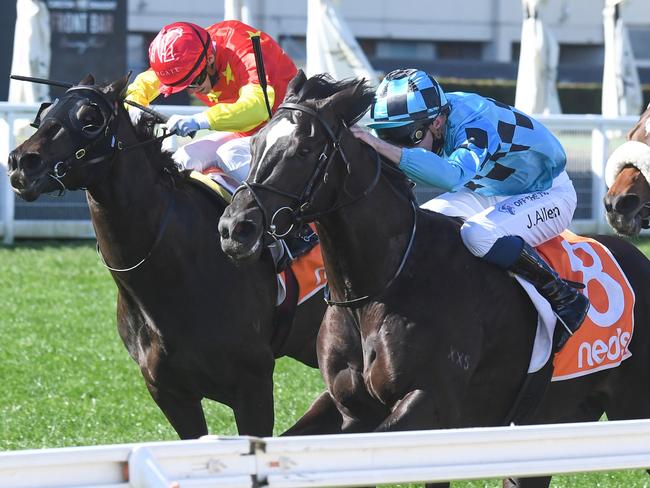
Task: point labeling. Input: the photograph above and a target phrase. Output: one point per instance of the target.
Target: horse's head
(301, 160)
(75, 134)
(627, 202)
(627, 173)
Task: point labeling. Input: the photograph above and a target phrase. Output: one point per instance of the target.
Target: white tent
(246, 11)
(232, 10)
(31, 54)
(331, 46)
(538, 59)
(621, 86)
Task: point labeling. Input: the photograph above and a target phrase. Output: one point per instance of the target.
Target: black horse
(420, 334)
(197, 325)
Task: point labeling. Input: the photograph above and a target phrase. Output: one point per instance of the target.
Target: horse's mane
(320, 87)
(160, 159)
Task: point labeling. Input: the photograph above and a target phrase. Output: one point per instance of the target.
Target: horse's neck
(364, 243)
(127, 206)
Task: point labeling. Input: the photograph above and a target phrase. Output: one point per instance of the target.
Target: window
(296, 48)
(583, 54)
(405, 50)
(640, 40)
(459, 50)
(515, 49)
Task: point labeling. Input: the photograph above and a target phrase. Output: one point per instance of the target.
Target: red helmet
(178, 54)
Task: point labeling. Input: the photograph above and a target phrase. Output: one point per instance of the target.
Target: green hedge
(575, 98)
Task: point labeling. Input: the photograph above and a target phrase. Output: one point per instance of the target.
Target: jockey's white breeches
(535, 217)
(226, 152)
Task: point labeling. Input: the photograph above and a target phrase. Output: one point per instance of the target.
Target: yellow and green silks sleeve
(144, 88)
(245, 114)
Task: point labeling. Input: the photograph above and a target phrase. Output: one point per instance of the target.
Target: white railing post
(7, 141)
(599, 151)
(144, 471)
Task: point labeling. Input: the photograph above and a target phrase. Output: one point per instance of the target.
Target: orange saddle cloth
(310, 273)
(603, 339)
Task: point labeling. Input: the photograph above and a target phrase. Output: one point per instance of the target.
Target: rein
(100, 137)
(357, 301)
(161, 232)
(304, 199)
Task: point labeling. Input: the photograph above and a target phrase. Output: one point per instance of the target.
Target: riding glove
(183, 125)
(135, 114)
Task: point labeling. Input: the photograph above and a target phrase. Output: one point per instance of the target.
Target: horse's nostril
(224, 232)
(30, 162)
(243, 230)
(608, 206)
(627, 203)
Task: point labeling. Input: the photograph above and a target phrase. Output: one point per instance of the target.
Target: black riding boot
(569, 305)
(297, 245)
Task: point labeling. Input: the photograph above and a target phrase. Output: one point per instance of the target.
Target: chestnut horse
(627, 203)
(197, 326)
(420, 334)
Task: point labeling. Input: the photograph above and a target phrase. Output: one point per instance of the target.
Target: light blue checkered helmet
(406, 96)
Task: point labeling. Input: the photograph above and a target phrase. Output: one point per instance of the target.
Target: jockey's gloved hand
(134, 114)
(183, 125)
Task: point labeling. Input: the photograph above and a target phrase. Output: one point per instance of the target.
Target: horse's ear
(352, 102)
(295, 84)
(117, 89)
(87, 80)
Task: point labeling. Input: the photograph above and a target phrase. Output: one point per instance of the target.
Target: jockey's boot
(569, 305)
(296, 245)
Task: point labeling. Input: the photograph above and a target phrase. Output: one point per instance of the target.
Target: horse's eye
(304, 151)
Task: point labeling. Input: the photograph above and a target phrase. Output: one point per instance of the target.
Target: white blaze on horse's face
(282, 128)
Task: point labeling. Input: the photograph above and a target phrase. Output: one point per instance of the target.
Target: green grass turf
(67, 379)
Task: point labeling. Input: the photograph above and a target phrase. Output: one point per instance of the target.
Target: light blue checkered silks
(406, 96)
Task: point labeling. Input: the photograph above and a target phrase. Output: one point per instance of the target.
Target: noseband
(94, 145)
(298, 211)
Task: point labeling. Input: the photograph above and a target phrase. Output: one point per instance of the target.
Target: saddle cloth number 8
(602, 340)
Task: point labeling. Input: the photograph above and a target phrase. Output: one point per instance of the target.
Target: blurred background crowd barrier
(560, 60)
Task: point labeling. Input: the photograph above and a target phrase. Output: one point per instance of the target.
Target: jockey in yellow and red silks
(217, 64)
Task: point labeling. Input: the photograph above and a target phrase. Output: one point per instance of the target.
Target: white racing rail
(13, 117)
(338, 460)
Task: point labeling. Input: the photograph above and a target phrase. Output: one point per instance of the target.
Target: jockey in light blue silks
(504, 173)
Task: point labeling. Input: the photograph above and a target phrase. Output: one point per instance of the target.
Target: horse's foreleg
(323, 417)
(538, 482)
(254, 407)
(185, 415)
(417, 410)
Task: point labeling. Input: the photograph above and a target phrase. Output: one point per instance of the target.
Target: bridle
(95, 145)
(303, 201)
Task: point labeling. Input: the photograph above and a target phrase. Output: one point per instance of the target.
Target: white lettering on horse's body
(280, 129)
(460, 359)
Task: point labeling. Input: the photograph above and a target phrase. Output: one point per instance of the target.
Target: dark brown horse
(420, 334)
(197, 326)
(627, 203)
